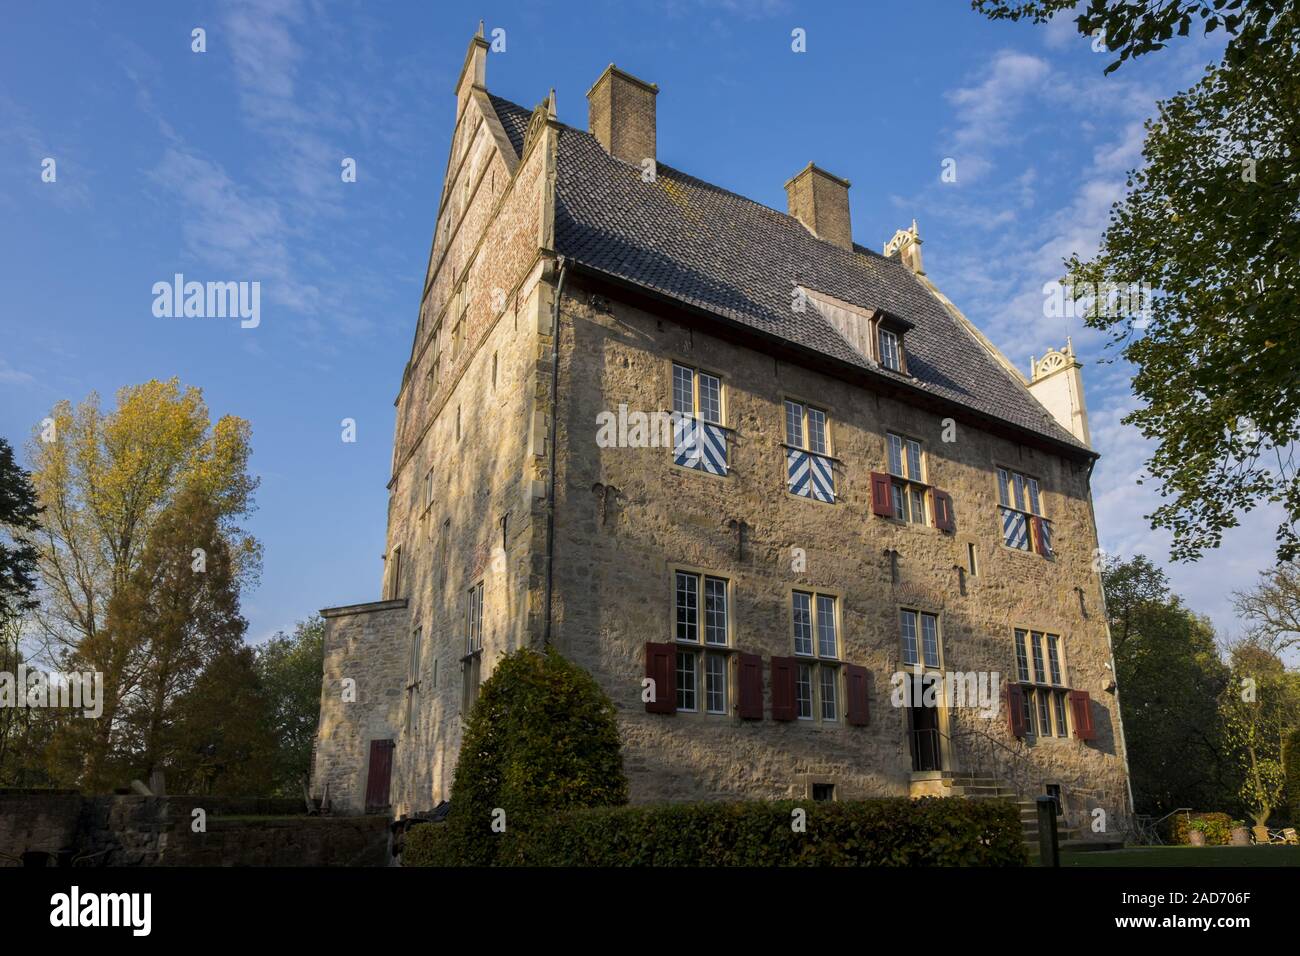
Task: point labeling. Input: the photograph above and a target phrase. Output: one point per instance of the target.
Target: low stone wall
(63, 828)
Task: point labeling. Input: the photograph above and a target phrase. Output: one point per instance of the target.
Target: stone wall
(366, 644)
(628, 516)
(63, 828)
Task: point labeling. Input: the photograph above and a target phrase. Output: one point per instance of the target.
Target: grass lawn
(1227, 856)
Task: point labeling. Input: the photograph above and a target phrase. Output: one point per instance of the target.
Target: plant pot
(1240, 836)
(1196, 838)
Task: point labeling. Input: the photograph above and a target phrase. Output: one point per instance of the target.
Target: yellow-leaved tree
(105, 480)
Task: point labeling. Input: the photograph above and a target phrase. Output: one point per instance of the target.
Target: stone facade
(470, 506)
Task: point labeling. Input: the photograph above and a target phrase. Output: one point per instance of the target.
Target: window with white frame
(817, 653)
(907, 479)
(919, 632)
(702, 634)
(1040, 672)
(809, 471)
(699, 433)
(413, 676)
(891, 349)
(471, 662)
(1020, 510)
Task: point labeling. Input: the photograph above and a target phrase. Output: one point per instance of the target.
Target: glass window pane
(1028, 700)
(829, 686)
(1004, 492)
(803, 690)
(1022, 660)
(889, 350)
(896, 456)
(918, 506)
(710, 399)
(900, 502)
(1044, 714)
(907, 625)
(1036, 644)
(715, 611)
(802, 623)
(794, 424)
(930, 639)
(827, 646)
(686, 699)
(715, 668)
(817, 431)
(1034, 505)
(1062, 728)
(683, 390)
(1054, 658)
(914, 460)
(1018, 492)
(688, 607)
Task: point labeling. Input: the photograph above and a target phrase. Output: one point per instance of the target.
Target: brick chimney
(621, 115)
(821, 202)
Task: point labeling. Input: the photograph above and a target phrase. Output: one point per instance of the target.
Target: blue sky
(225, 165)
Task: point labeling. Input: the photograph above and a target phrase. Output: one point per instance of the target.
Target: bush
(1291, 769)
(1217, 828)
(892, 832)
(541, 739)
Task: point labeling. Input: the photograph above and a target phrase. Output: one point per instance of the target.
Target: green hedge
(893, 832)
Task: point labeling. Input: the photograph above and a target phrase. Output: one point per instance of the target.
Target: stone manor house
(853, 484)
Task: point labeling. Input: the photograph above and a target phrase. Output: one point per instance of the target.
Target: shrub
(541, 739)
(1217, 828)
(891, 832)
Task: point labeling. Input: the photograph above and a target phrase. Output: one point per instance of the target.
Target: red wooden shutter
(1039, 544)
(1016, 710)
(943, 518)
(661, 667)
(380, 774)
(750, 706)
(783, 688)
(882, 496)
(1081, 713)
(858, 710)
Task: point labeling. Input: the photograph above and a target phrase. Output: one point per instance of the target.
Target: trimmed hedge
(891, 832)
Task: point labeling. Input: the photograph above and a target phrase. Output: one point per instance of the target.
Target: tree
(223, 741)
(542, 737)
(1272, 607)
(1210, 223)
(178, 612)
(1169, 676)
(105, 482)
(1257, 708)
(18, 515)
(289, 668)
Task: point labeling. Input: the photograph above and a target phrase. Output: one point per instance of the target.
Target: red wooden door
(381, 773)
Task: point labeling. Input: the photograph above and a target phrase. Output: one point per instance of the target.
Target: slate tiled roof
(720, 252)
(514, 119)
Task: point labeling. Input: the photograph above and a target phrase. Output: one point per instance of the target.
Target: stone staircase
(973, 787)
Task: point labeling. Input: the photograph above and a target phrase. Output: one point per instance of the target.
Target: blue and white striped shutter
(797, 471)
(1015, 530)
(686, 450)
(823, 479)
(810, 476)
(1046, 527)
(713, 448)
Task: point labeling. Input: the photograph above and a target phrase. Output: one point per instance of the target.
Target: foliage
(1256, 707)
(891, 832)
(18, 519)
(106, 481)
(1291, 770)
(289, 668)
(1272, 607)
(1170, 677)
(1217, 828)
(1211, 222)
(541, 738)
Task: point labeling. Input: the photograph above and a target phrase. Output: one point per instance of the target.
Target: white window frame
(914, 619)
(909, 491)
(702, 641)
(814, 662)
(1043, 685)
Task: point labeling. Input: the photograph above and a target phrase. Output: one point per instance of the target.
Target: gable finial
(480, 29)
(550, 103)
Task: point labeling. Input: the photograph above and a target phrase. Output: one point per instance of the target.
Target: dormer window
(891, 350)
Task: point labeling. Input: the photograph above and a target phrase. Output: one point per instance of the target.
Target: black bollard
(1049, 854)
